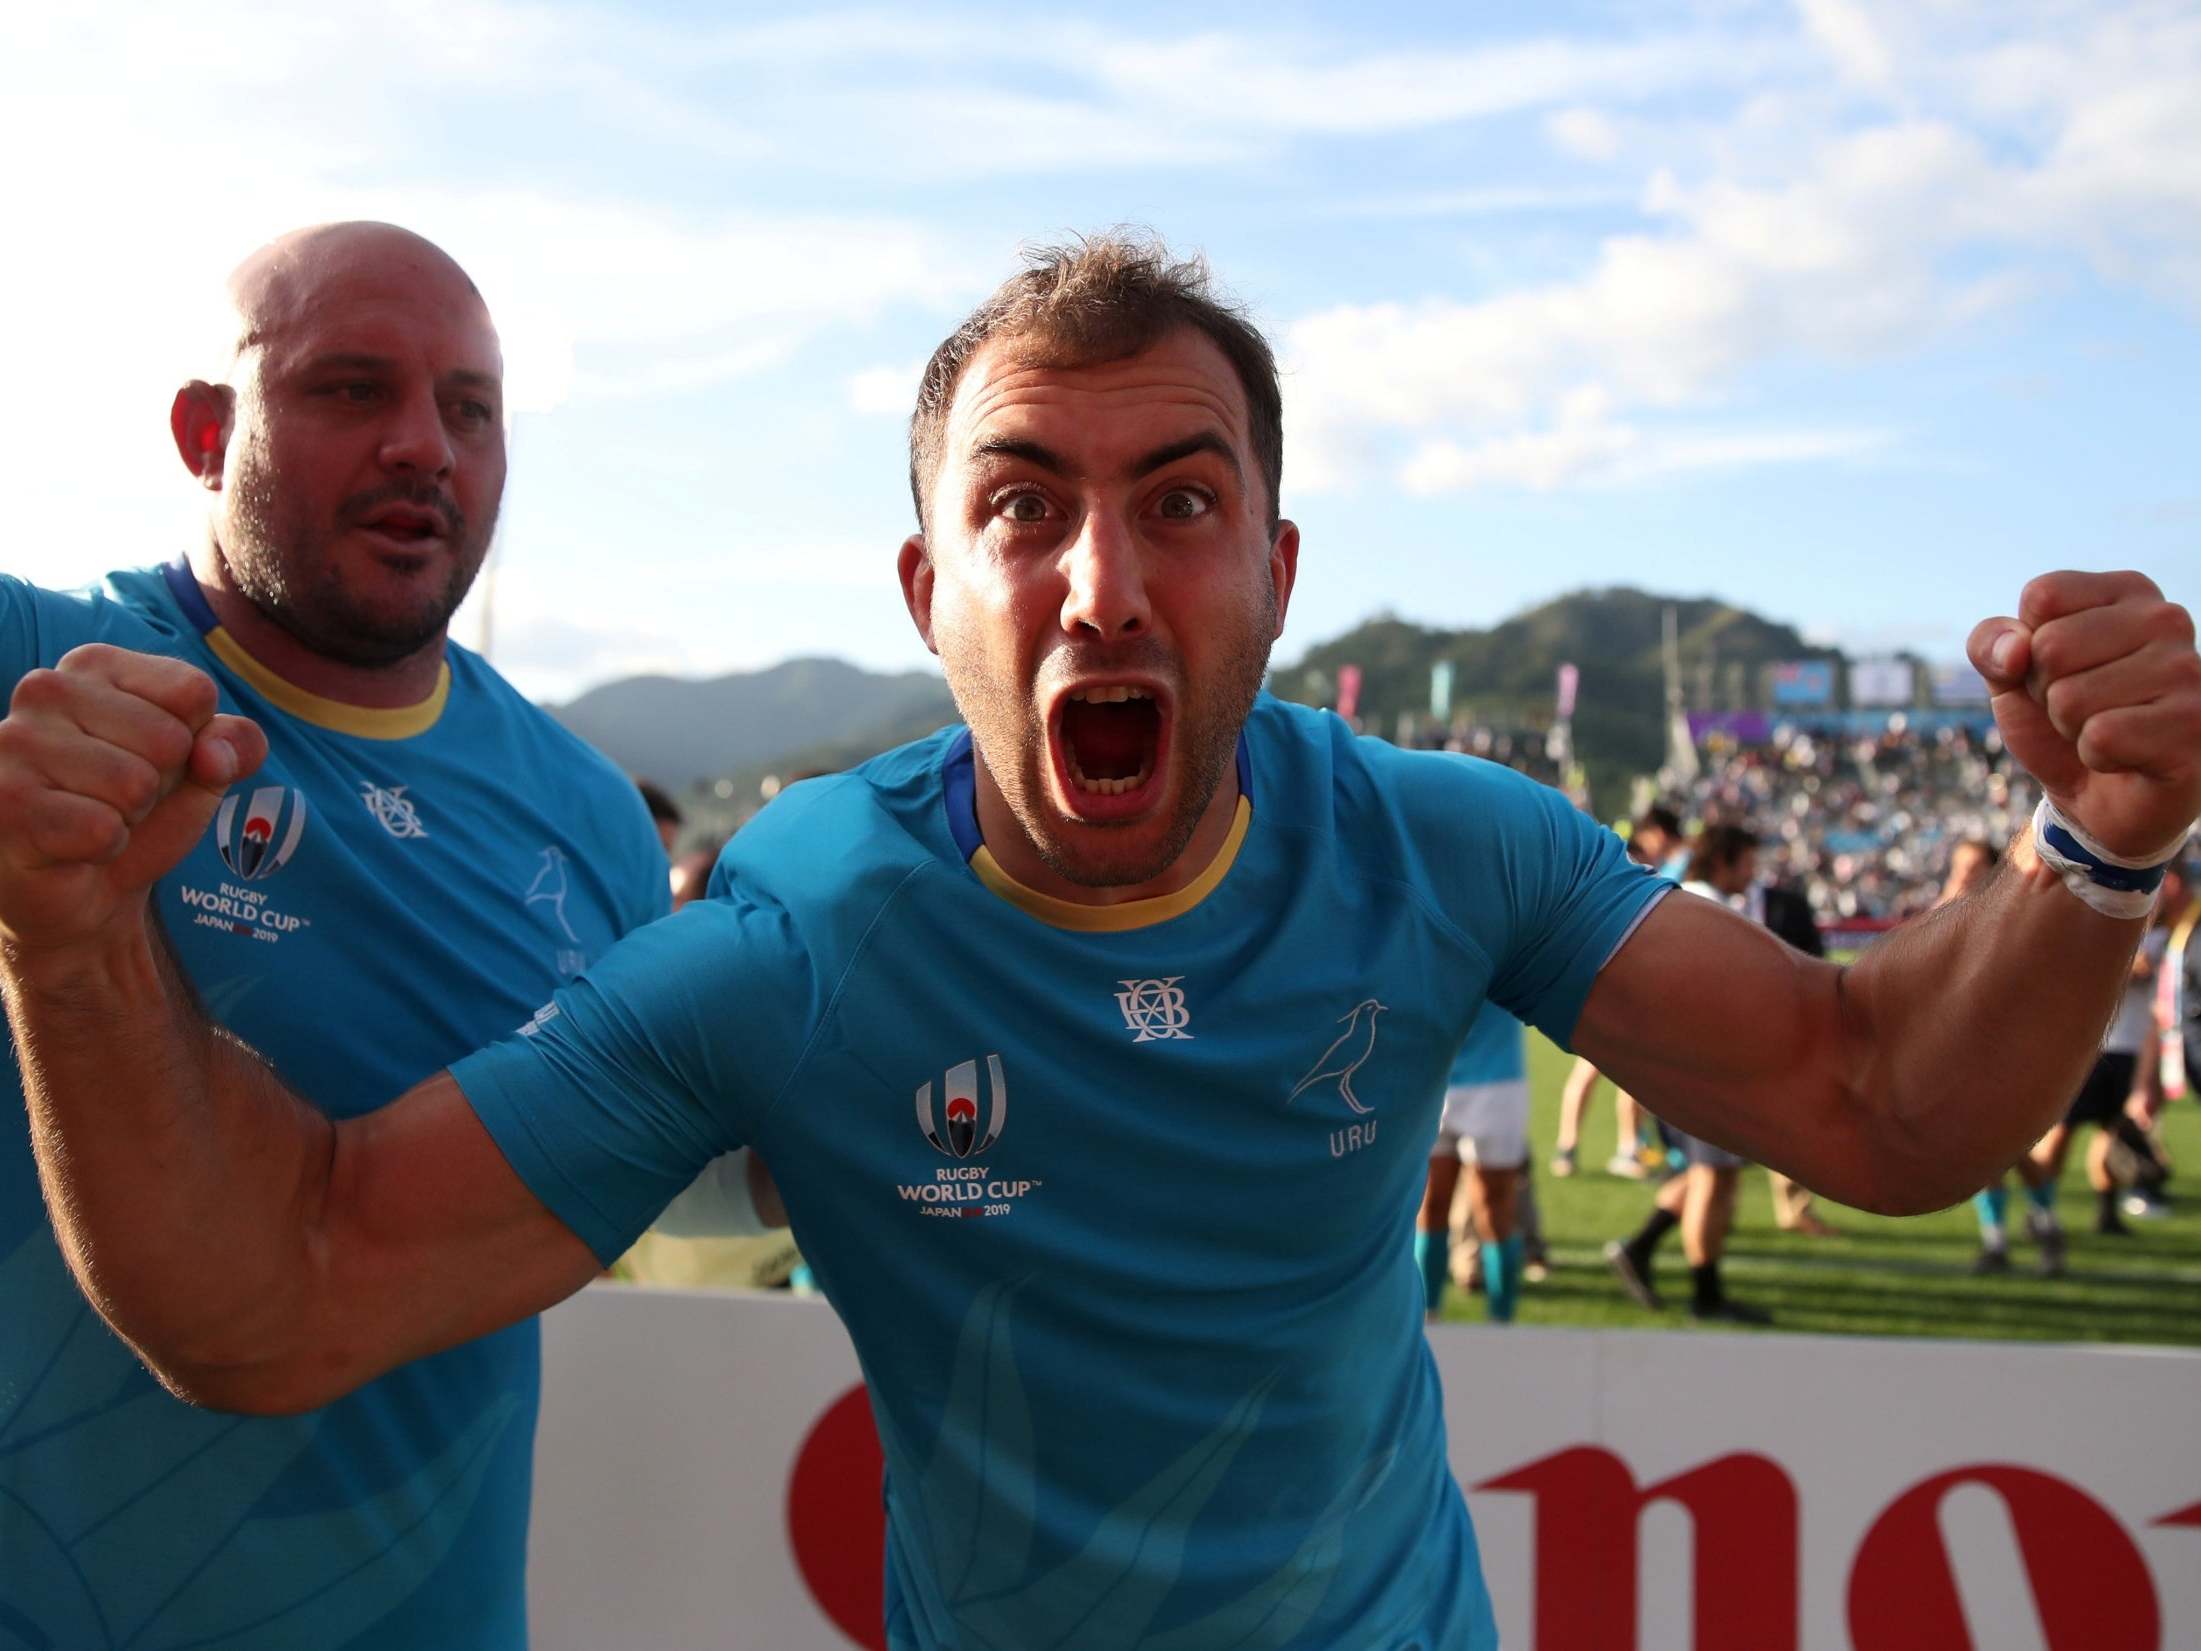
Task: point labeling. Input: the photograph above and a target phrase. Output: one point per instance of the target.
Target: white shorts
(1486, 1123)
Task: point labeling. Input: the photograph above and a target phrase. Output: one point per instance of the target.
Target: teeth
(1106, 788)
(1114, 694)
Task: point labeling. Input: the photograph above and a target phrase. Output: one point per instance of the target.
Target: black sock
(1704, 1281)
(1661, 1223)
(2152, 1173)
(2105, 1208)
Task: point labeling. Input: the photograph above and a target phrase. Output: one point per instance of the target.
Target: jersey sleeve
(665, 1054)
(18, 632)
(1572, 897)
(1541, 890)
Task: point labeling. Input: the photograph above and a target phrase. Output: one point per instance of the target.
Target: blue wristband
(2109, 883)
(2124, 879)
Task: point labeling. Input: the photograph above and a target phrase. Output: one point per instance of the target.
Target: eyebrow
(347, 362)
(1031, 452)
(1047, 459)
(1207, 441)
(465, 378)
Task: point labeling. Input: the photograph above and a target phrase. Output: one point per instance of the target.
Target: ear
(199, 420)
(1284, 569)
(917, 575)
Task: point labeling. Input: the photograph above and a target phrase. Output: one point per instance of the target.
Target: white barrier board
(1666, 1492)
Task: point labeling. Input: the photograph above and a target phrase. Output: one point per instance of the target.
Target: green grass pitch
(1881, 1276)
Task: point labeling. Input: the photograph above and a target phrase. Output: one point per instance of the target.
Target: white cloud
(1814, 238)
(1587, 134)
(658, 204)
(1497, 202)
(886, 392)
(1239, 81)
(747, 605)
(188, 141)
(1846, 32)
(686, 371)
(1584, 448)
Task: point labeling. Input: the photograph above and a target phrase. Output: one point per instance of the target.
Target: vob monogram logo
(954, 1128)
(1154, 1009)
(393, 810)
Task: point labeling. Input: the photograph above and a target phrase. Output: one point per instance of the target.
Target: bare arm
(1915, 1077)
(257, 1255)
(1901, 1084)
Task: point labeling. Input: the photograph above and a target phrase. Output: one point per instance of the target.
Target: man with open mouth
(358, 908)
(1172, 973)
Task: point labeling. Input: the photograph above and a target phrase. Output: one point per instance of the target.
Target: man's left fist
(2097, 690)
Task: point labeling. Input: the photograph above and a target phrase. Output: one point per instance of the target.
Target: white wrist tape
(2110, 883)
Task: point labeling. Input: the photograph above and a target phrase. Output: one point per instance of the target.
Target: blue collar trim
(185, 589)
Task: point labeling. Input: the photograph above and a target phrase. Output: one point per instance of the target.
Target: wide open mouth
(1110, 738)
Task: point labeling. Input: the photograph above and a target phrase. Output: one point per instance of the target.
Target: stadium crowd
(1862, 825)
(1832, 829)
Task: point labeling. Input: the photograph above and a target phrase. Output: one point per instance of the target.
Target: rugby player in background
(1971, 864)
(422, 857)
(1654, 840)
(1722, 868)
(1484, 1125)
(1173, 972)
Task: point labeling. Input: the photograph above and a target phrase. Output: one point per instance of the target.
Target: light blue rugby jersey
(1114, 1201)
(393, 889)
(1495, 1050)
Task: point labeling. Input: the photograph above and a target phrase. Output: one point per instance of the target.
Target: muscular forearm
(1921, 1074)
(183, 1179)
(1901, 1084)
(258, 1256)
(1965, 1035)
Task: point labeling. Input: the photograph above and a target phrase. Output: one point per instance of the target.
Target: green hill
(721, 736)
(1508, 674)
(681, 731)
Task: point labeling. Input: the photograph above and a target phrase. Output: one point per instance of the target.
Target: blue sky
(1855, 313)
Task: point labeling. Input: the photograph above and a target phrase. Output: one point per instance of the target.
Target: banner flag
(1440, 690)
(1348, 691)
(1570, 679)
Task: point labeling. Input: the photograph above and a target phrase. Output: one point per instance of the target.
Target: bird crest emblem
(549, 889)
(1345, 1056)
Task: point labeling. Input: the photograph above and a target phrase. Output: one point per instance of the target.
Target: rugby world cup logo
(258, 839)
(953, 1127)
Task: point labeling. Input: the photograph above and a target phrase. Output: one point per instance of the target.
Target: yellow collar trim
(1131, 914)
(397, 723)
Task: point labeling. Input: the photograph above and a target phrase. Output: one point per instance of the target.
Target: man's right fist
(111, 764)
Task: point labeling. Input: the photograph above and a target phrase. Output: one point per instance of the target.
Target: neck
(401, 683)
(1014, 853)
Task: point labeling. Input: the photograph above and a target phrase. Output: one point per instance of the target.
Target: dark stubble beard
(282, 567)
(1206, 739)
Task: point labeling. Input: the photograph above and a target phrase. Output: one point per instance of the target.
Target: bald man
(423, 861)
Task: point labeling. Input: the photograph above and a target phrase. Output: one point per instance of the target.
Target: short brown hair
(1717, 847)
(1097, 299)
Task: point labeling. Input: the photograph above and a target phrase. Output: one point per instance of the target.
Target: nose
(1106, 595)
(416, 440)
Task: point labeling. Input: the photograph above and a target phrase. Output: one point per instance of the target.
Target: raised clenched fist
(111, 764)
(2097, 690)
